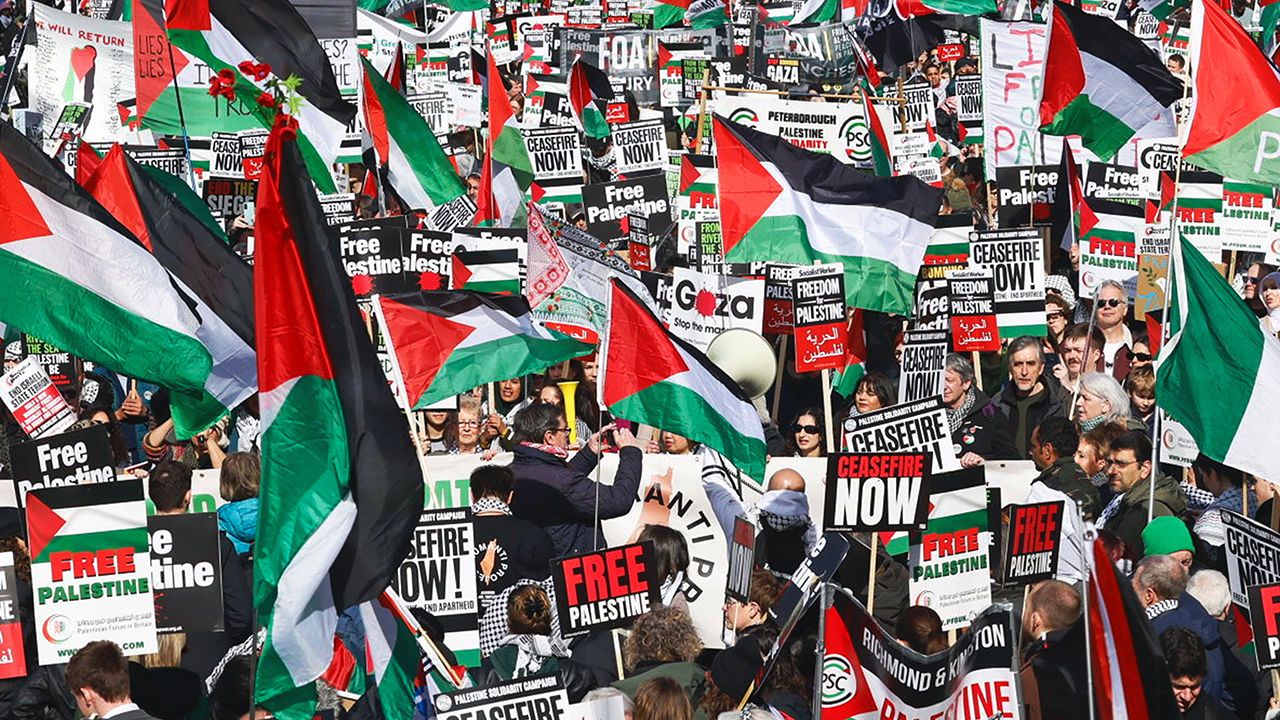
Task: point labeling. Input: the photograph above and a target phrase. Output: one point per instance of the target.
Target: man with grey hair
(1212, 590)
(978, 430)
(1110, 310)
(1030, 395)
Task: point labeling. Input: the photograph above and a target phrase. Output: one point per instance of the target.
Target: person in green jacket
(1131, 476)
(663, 643)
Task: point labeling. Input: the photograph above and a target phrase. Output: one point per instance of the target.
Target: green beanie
(1166, 534)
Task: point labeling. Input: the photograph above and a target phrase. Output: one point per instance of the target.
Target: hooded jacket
(1065, 476)
(1128, 522)
(561, 497)
(239, 520)
(786, 531)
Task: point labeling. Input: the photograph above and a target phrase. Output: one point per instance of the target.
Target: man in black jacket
(557, 493)
(1053, 666)
(1030, 395)
(508, 548)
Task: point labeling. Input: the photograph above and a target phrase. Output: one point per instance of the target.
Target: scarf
(955, 417)
(1159, 608)
(1111, 509)
(532, 651)
(562, 453)
(1091, 423)
(671, 588)
(489, 504)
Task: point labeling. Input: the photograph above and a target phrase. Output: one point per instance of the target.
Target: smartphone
(249, 212)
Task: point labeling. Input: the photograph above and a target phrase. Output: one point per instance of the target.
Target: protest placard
(186, 572)
(227, 197)
(1108, 181)
(1253, 555)
(1153, 271)
(705, 305)
(876, 492)
(439, 576)
(75, 458)
(838, 129)
(168, 160)
(924, 355)
(338, 208)
(1264, 617)
(13, 658)
(1026, 194)
(950, 561)
(605, 589)
(90, 569)
(972, 310)
(36, 405)
(917, 112)
(1013, 57)
(804, 587)
(1200, 212)
(434, 108)
(742, 551)
(1016, 261)
(555, 153)
(867, 673)
(62, 367)
(779, 317)
(639, 146)
(227, 161)
(821, 330)
(538, 696)
(1108, 250)
(969, 113)
(1033, 543)
(1246, 216)
(608, 204)
(77, 59)
(911, 427)
(1177, 447)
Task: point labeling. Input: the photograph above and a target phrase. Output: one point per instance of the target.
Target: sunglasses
(811, 429)
(1142, 357)
(1110, 302)
(1252, 280)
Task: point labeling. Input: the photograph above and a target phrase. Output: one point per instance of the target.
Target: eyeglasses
(559, 430)
(1142, 357)
(1111, 302)
(811, 429)
(1118, 463)
(468, 423)
(1055, 316)
(1251, 280)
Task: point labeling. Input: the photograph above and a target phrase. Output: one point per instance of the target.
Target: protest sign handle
(1084, 360)
(782, 368)
(826, 410)
(182, 120)
(1275, 515)
(702, 108)
(11, 73)
(826, 595)
(871, 576)
(1084, 595)
(977, 369)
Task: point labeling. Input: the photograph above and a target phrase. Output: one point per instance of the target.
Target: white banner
(79, 59)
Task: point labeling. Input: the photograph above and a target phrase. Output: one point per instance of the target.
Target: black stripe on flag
(1102, 38)
(91, 494)
(448, 303)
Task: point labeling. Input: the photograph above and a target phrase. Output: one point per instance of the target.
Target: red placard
(950, 52)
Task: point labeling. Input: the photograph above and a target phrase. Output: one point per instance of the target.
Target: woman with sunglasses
(1252, 277)
(1269, 291)
(807, 438)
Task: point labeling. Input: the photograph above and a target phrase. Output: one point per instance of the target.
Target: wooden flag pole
(871, 575)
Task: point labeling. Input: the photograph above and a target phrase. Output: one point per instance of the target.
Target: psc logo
(839, 684)
(744, 116)
(857, 138)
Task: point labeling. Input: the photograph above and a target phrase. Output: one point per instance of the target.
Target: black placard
(877, 492)
(605, 589)
(186, 572)
(1034, 542)
(74, 458)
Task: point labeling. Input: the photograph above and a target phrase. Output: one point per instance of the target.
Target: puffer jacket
(1129, 521)
(239, 521)
(560, 497)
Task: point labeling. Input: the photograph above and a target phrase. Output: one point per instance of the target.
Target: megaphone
(747, 358)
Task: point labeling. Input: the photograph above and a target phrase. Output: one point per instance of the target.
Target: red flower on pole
(267, 100)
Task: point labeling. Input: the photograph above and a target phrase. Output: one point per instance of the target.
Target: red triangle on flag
(461, 273)
(22, 219)
(423, 342)
(688, 175)
(745, 199)
(42, 524)
(640, 354)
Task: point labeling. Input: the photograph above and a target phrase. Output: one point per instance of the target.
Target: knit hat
(1165, 535)
(735, 668)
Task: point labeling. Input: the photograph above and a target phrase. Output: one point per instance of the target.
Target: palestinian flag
(393, 657)
(223, 35)
(589, 95)
(1235, 120)
(1101, 82)
(916, 8)
(557, 190)
(698, 181)
(653, 377)
(446, 342)
(1070, 215)
(881, 154)
(697, 14)
(845, 380)
(817, 12)
(957, 500)
(77, 278)
(489, 271)
(507, 171)
(1216, 372)
(341, 490)
(209, 271)
(780, 203)
(1130, 678)
(413, 163)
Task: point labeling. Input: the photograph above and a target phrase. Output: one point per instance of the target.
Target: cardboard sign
(605, 589)
(90, 569)
(62, 367)
(918, 113)
(742, 553)
(876, 493)
(227, 161)
(608, 204)
(803, 588)
(226, 197)
(253, 145)
(969, 114)
(779, 312)
(950, 562)
(924, 356)
(1013, 59)
(13, 658)
(75, 458)
(705, 305)
(338, 208)
(1016, 261)
(950, 52)
(539, 696)
(1034, 541)
(36, 404)
(867, 673)
(85, 62)
(172, 161)
(639, 146)
(1109, 181)
(1108, 251)
(1026, 194)
(447, 217)
(554, 153)
(1153, 273)
(1177, 447)
(186, 572)
(821, 330)
(1251, 555)
(439, 575)
(1264, 616)
(709, 246)
(1246, 216)
(972, 307)
(912, 427)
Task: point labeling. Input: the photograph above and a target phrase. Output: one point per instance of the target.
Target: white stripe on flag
(1113, 91)
(101, 518)
(380, 633)
(740, 415)
(1253, 447)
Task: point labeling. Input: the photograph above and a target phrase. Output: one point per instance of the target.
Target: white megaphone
(747, 358)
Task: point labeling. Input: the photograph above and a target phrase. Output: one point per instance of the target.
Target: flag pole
(825, 596)
(1088, 644)
(182, 118)
(1084, 359)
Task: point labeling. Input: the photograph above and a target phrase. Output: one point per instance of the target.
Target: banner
(605, 589)
(540, 696)
(1264, 616)
(90, 569)
(821, 329)
(912, 427)
(950, 561)
(876, 493)
(703, 305)
(36, 405)
(639, 146)
(75, 458)
(1016, 261)
(924, 356)
(973, 311)
(13, 658)
(742, 552)
(1033, 543)
(228, 198)
(439, 576)
(1013, 56)
(81, 60)
(608, 204)
(838, 129)
(186, 572)
(868, 675)
(1252, 558)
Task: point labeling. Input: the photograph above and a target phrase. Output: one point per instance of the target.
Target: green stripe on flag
(1099, 130)
(135, 538)
(510, 356)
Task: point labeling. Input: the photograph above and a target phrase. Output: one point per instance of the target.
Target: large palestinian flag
(341, 490)
(205, 38)
(1235, 120)
(414, 165)
(780, 203)
(76, 277)
(447, 342)
(590, 93)
(653, 377)
(207, 268)
(507, 172)
(1101, 82)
